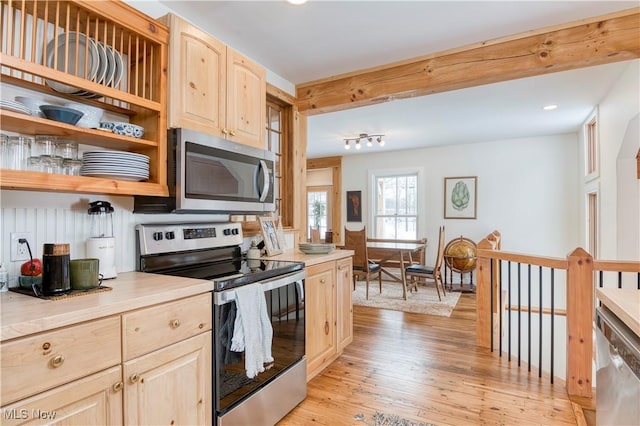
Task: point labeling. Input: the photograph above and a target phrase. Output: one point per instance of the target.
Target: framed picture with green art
(460, 197)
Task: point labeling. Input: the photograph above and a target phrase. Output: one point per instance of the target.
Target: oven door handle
(226, 296)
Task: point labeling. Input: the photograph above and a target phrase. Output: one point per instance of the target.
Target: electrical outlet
(19, 251)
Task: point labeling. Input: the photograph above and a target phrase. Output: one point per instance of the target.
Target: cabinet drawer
(149, 329)
(34, 364)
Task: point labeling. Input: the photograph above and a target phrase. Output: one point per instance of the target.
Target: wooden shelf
(30, 125)
(37, 181)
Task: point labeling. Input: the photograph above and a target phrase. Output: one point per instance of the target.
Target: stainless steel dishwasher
(618, 371)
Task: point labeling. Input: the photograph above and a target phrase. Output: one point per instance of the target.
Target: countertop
(312, 259)
(22, 315)
(625, 303)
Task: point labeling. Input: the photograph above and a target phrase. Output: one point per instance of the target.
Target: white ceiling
(325, 38)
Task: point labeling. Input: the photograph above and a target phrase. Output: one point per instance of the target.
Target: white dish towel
(252, 331)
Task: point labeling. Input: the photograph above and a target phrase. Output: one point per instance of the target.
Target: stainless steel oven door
(284, 297)
(214, 174)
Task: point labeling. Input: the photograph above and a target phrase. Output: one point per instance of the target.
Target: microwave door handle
(265, 185)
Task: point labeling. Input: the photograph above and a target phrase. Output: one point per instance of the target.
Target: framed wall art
(269, 228)
(354, 206)
(460, 197)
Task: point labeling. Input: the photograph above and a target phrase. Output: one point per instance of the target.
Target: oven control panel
(159, 238)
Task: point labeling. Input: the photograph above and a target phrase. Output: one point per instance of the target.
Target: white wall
(617, 109)
(628, 194)
(527, 189)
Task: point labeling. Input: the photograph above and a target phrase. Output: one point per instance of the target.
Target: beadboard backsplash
(63, 218)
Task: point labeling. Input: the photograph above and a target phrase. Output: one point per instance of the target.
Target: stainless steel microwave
(207, 174)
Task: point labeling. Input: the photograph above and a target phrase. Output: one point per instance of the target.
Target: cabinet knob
(232, 133)
(117, 387)
(134, 378)
(57, 361)
(322, 281)
(224, 131)
(175, 323)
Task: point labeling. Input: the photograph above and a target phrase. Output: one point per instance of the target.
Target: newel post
(579, 323)
(484, 328)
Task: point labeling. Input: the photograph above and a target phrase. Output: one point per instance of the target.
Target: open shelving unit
(35, 55)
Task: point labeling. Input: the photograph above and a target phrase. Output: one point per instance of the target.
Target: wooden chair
(357, 241)
(416, 272)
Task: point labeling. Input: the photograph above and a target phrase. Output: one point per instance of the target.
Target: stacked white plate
(104, 64)
(115, 165)
(14, 106)
(316, 248)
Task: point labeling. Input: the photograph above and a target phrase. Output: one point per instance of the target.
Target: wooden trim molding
(599, 40)
(280, 94)
(335, 164)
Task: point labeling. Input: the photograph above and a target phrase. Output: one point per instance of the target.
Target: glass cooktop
(238, 272)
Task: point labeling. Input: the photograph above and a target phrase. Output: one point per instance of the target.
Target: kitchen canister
(56, 275)
(85, 274)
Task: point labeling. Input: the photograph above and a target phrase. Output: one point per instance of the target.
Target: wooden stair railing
(580, 268)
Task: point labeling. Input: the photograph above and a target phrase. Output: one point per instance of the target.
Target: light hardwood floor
(427, 369)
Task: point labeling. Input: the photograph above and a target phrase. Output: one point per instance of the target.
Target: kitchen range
(241, 395)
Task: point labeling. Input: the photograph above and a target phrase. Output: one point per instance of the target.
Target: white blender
(102, 244)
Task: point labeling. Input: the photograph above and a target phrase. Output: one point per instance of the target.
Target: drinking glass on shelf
(67, 150)
(19, 150)
(44, 145)
(71, 167)
(35, 164)
(51, 164)
(4, 151)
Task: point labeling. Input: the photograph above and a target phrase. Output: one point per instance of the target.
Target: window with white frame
(591, 145)
(318, 209)
(395, 206)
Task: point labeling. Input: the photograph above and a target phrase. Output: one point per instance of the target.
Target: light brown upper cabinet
(212, 88)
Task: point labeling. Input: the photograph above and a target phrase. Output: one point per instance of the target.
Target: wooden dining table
(380, 252)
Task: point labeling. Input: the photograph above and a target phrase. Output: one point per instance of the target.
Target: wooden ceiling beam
(595, 41)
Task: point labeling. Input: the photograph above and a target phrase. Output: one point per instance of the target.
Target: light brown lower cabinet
(147, 366)
(328, 313)
(93, 400)
(171, 386)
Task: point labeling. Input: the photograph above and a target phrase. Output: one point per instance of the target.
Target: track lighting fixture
(366, 137)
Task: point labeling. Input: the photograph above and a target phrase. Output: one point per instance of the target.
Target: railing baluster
(509, 318)
(529, 315)
(519, 314)
(540, 325)
(619, 279)
(500, 309)
(552, 317)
